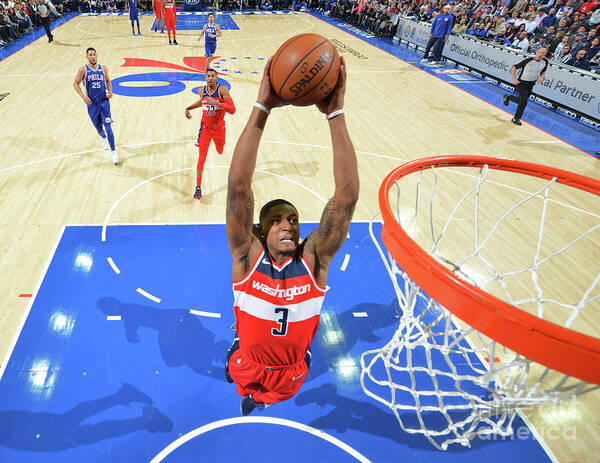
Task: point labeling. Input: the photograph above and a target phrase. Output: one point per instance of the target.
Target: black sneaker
(505, 100)
(516, 121)
(198, 193)
(175, 42)
(247, 404)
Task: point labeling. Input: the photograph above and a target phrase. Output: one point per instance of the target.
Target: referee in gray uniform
(524, 75)
(43, 10)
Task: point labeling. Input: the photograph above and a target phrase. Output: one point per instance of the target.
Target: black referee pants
(524, 88)
(46, 24)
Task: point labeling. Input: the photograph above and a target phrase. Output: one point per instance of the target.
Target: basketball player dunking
(157, 7)
(279, 281)
(98, 91)
(210, 32)
(215, 101)
(170, 18)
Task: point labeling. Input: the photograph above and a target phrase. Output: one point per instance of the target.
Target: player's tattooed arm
(238, 223)
(324, 242)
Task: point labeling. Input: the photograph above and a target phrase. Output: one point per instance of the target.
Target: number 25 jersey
(277, 310)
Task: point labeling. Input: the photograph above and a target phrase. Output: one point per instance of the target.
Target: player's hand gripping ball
(304, 69)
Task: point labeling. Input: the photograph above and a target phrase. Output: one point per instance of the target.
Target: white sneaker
(424, 60)
(115, 158)
(105, 144)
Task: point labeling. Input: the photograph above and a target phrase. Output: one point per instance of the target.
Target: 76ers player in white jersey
(278, 280)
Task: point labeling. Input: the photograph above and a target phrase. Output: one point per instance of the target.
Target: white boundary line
(148, 295)
(32, 300)
(345, 263)
(258, 419)
(113, 265)
(113, 317)
(205, 314)
(124, 195)
(360, 314)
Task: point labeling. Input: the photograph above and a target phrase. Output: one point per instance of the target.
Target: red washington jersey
(277, 310)
(211, 114)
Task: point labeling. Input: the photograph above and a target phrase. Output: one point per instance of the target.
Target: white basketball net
(443, 379)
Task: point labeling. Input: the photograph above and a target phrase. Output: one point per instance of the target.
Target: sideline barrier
(564, 86)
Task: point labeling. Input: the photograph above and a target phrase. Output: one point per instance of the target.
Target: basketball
(304, 69)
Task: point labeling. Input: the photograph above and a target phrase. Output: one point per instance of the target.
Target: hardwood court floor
(54, 172)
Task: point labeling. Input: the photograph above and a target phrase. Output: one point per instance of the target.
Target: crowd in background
(568, 28)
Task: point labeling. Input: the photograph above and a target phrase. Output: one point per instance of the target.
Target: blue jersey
(95, 83)
(212, 30)
(132, 4)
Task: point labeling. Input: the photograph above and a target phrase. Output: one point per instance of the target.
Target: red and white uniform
(212, 126)
(170, 15)
(158, 8)
(277, 311)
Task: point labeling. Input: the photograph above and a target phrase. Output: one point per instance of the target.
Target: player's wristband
(335, 113)
(263, 108)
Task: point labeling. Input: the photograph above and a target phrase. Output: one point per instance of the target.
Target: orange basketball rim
(551, 345)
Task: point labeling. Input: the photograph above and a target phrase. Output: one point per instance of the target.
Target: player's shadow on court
(64, 44)
(371, 419)
(339, 333)
(182, 338)
(45, 432)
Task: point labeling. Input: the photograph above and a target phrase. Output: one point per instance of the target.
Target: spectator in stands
(111, 6)
(265, 5)
(555, 40)
(595, 63)
(439, 33)
(563, 56)
(531, 24)
(522, 42)
(461, 28)
(595, 17)
(539, 16)
(579, 61)
(549, 20)
(577, 43)
(514, 32)
(542, 42)
(520, 6)
(593, 48)
(500, 38)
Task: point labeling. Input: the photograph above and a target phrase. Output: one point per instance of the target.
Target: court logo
(170, 81)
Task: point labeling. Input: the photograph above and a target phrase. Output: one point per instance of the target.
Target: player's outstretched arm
(77, 85)
(240, 197)
(202, 33)
(218, 29)
(195, 105)
(227, 104)
(324, 242)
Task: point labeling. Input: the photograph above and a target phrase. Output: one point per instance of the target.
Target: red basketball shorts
(215, 133)
(170, 20)
(266, 384)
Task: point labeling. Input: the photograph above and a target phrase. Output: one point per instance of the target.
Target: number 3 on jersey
(283, 323)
